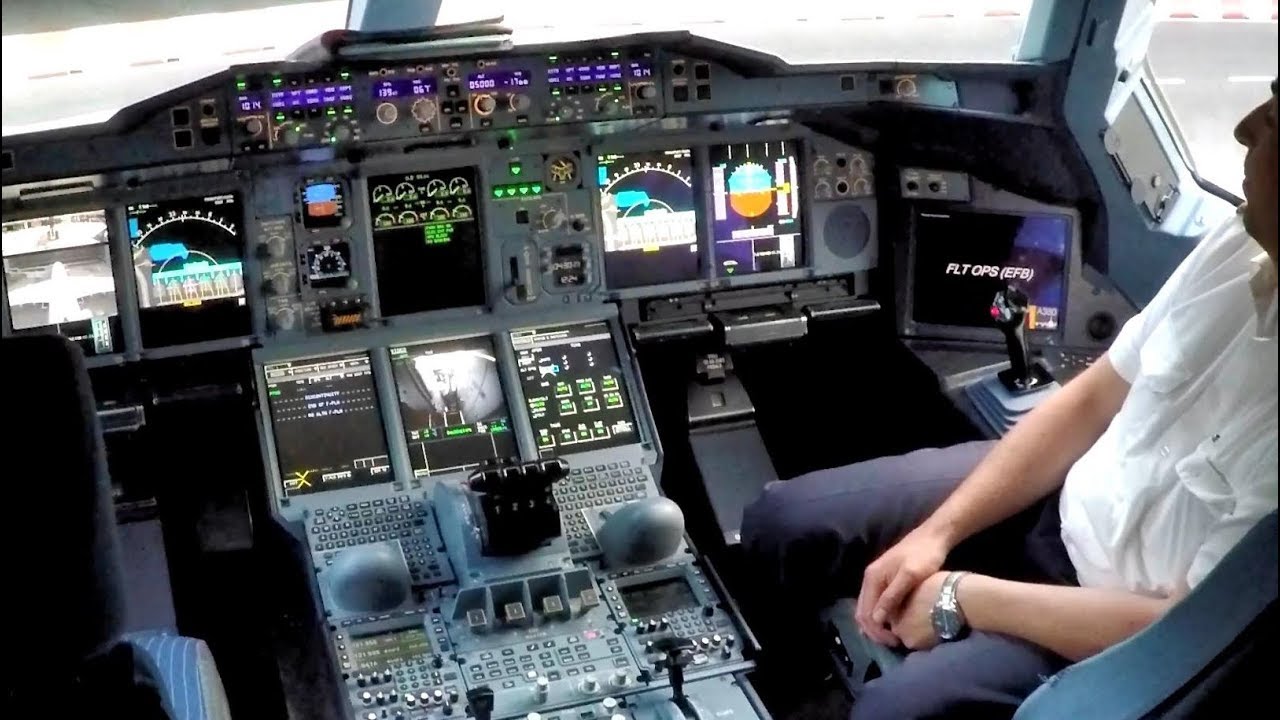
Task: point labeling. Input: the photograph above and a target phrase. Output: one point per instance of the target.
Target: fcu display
(755, 204)
(426, 241)
(57, 273)
(573, 388)
(451, 405)
(188, 266)
(647, 212)
(962, 259)
(327, 427)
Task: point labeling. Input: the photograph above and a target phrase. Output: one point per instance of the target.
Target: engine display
(573, 388)
(328, 428)
(188, 261)
(452, 405)
(756, 206)
(58, 274)
(427, 224)
(650, 224)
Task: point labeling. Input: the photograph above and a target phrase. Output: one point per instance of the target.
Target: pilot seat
(67, 598)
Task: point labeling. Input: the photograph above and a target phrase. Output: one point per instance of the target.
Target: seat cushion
(188, 673)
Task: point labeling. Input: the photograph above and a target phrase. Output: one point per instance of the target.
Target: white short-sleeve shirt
(1188, 465)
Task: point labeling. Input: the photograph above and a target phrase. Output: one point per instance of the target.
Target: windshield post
(385, 15)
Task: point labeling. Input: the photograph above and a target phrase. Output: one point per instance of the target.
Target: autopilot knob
(646, 91)
(423, 110)
(484, 104)
(519, 102)
(253, 126)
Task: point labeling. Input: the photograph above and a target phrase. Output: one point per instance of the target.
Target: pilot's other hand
(889, 581)
(913, 625)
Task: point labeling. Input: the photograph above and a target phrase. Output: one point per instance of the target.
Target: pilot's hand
(913, 624)
(889, 581)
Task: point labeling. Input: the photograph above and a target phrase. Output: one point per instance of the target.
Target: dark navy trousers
(808, 541)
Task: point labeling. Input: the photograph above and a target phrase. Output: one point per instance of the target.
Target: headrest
(72, 563)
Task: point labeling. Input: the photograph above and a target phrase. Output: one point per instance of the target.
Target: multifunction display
(962, 259)
(573, 388)
(327, 425)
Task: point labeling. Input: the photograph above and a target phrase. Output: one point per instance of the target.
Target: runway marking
(1171, 81)
(1250, 78)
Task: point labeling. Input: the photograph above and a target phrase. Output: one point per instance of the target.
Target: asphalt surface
(1211, 72)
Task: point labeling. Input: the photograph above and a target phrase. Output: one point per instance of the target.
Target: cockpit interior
(423, 372)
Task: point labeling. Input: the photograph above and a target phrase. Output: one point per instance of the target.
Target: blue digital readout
(497, 80)
(404, 87)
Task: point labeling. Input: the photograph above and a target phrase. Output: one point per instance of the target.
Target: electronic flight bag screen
(58, 275)
(755, 206)
(426, 240)
(452, 405)
(188, 265)
(328, 429)
(962, 259)
(573, 388)
(648, 216)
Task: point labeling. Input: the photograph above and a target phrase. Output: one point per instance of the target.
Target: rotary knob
(484, 104)
(283, 319)
(423, 110)
(387, 113)
(519, 102)
(646, 91)
(253, 126)
(552, 220)
(589, 685)
(341, 132)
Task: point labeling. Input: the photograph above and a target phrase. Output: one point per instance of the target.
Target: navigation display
(188, 265)
(755, 199)
(425, 225)
(647, 212)
(452, 406)
(962, 259)
(58, 275)
(573, 388)
(328, 431)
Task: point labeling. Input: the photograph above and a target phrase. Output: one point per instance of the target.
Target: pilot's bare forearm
(1032, 460)
(1074, 622)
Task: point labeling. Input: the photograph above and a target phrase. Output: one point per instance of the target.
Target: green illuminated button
(514, 167)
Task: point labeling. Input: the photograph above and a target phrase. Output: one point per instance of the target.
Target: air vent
(183, 139)
(181, 117)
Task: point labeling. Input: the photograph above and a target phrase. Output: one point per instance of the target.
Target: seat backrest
(65, 555)
(1208, 638)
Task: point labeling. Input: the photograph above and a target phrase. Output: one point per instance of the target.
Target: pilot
(1086, 522)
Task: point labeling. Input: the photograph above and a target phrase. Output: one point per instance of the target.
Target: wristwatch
(948, 619)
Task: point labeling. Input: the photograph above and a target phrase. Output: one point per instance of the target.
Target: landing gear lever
(1009, 311)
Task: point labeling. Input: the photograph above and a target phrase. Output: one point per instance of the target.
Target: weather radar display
(756, 202)
(647, 212)
(188, 260)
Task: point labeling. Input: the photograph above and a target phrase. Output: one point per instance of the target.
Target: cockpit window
(68, 64)
(1213, 63)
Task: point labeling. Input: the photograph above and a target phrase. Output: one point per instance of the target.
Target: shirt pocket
(1204, 475)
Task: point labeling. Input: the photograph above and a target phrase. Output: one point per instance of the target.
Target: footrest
(859, 659)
